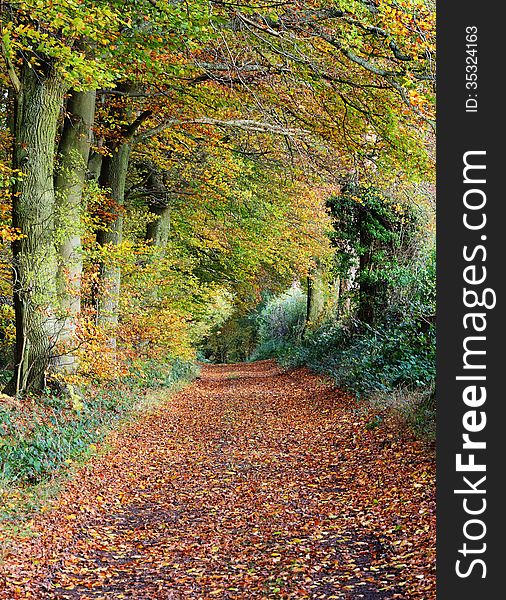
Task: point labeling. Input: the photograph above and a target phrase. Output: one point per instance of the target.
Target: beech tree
(42, 62)
(72, 160)
(281, 99)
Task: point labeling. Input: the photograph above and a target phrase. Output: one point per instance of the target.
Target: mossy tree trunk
(317, 296)
(158, 230)
(158, 227)
(73, 154)
(38, 103)
(112, 178)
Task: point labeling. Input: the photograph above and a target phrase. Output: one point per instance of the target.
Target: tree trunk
(158, 227)
(368, 289)
(113, 177)
(309, 282)
(317, 295)
(94, 165)
(34, 256)
(158, 230)
(113, 173)
(73, 152)
(344, 302)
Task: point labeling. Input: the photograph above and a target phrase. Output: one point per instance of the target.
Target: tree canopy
(164, 162)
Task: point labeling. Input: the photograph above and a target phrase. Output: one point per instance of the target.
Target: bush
(155, 374)
(49, 433)
(414, 408)
(364, 359)
(280, 323)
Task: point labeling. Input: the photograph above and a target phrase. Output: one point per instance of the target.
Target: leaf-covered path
(252, 482)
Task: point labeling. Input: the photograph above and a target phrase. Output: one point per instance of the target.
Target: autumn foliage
(167, 171)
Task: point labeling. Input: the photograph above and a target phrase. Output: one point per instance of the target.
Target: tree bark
(309, 283)
(37, 108)
(112, 177)
(94, 165)
(73, 153)
(158, 230)
(317, 295)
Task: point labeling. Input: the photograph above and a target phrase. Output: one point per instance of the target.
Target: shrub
(412, 408)
(280, 323)
(48, 433)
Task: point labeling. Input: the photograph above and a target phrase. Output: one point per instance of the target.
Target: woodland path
(252, 482)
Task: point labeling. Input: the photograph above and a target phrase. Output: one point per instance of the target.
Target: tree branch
(129, 132)
(244, 124)
(11, 71)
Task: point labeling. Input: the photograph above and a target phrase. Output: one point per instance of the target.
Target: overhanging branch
(244, 124)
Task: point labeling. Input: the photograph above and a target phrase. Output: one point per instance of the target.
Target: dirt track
(250, 483)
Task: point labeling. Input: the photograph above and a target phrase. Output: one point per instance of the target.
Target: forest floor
(252, 482)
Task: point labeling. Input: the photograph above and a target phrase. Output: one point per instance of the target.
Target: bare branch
(133, 127)
(244, 124)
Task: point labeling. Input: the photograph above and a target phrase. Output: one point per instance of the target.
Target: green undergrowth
(390, 365)
(43, 439)
(375, 366)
